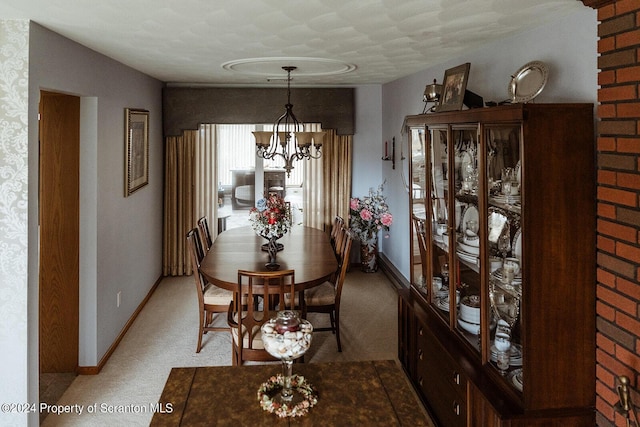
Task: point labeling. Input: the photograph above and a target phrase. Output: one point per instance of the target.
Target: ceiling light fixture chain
(288, 139)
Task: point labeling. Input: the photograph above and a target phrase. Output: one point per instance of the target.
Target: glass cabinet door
(466, 241)
(417, 190)
(439, 221)
(504, 237)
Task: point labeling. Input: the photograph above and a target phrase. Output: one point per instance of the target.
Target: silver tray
(528, 81)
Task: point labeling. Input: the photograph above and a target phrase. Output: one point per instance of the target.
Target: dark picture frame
(454, 85)
(137, 149)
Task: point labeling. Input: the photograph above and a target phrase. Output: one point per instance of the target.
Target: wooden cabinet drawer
(442, 383)
(438, 363)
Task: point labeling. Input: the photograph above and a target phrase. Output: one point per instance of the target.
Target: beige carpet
(164, 336)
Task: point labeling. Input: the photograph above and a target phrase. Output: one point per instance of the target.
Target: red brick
(625, 356)
(606, 44)
(606, 210)
(606, 12)
(609, 362)
(617, 300)
(628, 288)
(629, 109)
(629, 252)
(605, 377)
(606, 278)
(628, 180)
(606, 77)
(630, 324)
(628, 145)
(625, 6)
(617, 59)
(617, 93)
(605, 408)
(607, 111)
(607, 177)
(629, 38)
(606, 312)
(616, 25)
(617, 127)
(621, 197)
(606, 245)
(606, 143)
(628, 74)
(606, 394)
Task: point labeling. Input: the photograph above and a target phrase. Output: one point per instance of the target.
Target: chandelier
(288, 139)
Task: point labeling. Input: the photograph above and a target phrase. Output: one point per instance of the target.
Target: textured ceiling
(245, 42)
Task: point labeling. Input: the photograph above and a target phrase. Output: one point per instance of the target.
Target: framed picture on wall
(454, 84)
(137, 150)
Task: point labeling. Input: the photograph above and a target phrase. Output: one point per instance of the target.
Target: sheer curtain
(313, 188)
(206, 176)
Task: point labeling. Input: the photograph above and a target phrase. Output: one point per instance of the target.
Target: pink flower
(386, 219)
(354, 204)
(366, 215)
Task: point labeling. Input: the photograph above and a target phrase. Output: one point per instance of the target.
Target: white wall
(568, 46)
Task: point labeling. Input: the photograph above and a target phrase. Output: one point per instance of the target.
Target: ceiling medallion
(271, 67)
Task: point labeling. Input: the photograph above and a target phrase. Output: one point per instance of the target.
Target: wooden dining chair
(245, 320)
(205, 233)
(326, 297)
(336, 228)
(211, 299)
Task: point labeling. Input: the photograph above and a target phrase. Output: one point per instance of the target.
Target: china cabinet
(498, 326)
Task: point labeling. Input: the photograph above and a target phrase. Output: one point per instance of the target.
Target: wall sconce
(625, 405)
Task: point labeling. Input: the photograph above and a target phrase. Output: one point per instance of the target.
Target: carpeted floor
(164, 336)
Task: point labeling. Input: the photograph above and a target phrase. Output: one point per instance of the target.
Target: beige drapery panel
(178, 202)
(190, 192)
(337, 153)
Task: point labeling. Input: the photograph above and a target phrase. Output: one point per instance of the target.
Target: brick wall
(618, 194)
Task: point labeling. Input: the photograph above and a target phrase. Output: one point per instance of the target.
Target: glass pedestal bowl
(287, 337)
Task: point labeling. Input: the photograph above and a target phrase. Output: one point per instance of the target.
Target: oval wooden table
(306, 250)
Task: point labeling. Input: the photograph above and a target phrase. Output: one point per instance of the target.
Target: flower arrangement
(369, 214)
(269, 389)
(271, 217)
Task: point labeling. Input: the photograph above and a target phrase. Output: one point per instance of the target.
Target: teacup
(502, 341)
(436, 284)
(512, 264)
(441, 227)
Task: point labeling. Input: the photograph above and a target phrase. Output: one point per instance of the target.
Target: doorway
(59, 166)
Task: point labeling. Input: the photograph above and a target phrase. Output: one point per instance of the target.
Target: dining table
(355, 393)
(306, 250)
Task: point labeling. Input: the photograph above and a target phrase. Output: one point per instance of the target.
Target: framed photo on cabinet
(137, 150)
(454, 84)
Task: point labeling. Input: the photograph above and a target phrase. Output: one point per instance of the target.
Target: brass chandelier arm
(288, 139)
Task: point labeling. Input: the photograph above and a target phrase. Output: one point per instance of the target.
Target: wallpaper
(14, 78)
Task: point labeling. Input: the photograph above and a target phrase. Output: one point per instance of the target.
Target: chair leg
(333, 322)
(200, 332)
(337, 316)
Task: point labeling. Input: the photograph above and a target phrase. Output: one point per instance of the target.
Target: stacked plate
(498, 275)
(469, 314)
(515, 357)
(515, 377)
(504, 199)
